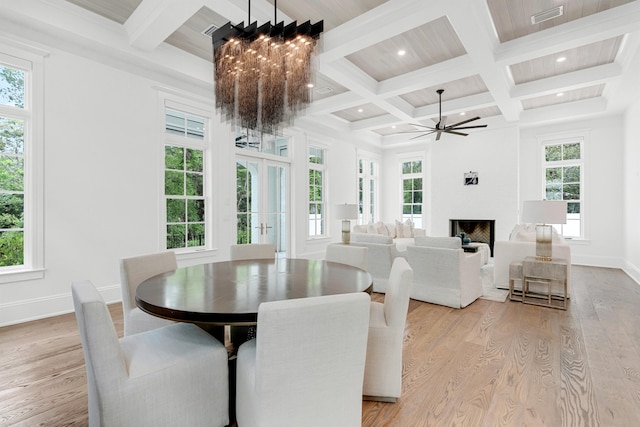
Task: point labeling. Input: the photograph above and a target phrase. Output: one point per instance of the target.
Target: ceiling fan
(441, 126)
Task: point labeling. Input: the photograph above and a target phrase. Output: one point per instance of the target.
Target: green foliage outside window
(184, 191)
(12, 206)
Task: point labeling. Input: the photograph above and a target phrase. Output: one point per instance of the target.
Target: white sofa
(443, 273)
(402, 234)
(380, 255)
(521, 244)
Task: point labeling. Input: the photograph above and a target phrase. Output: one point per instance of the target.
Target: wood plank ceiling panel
(512, 18)
(591, 55)
(354, 114)
(426, 45)
(118, 11)
(568, 96)
(452, 90)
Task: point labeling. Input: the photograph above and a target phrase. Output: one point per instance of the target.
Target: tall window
(563, 171)
(20, 165)
(367, 190)
(317, 196)
(184, 179)
(412, 191)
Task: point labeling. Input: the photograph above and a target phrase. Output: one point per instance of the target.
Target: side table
(515, 273)
(544, 273)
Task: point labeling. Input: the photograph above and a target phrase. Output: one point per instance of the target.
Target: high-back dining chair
(253, 251)
(176, 375)
(383, 370)
(134, 271)
(306, 366)
(355, 256)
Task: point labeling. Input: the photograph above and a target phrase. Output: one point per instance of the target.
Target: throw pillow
(381, 229)
(371, 229)
(404, 229)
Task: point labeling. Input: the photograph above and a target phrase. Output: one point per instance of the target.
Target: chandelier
(263, 74)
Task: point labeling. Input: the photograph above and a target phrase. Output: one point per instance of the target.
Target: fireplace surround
(478, 230)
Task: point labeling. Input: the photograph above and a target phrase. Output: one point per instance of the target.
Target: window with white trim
(21, 165)
(367, 190)
(563, 169)
(185, 149)
(317, 193)
(412, 179)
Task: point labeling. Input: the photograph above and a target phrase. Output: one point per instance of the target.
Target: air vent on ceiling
(547, 14)
(209, 30)
(324, 90)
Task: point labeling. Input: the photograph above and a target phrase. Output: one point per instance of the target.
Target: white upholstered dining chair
(253, 251)
(134, 271)
(355, 256)
(176, 375)
(306, 366)
(383, 370)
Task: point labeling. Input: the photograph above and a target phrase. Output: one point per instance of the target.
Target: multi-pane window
(14, 119)
(563, 171)
(367, 191)
(412, 191)
(184, 180)
(317, 196)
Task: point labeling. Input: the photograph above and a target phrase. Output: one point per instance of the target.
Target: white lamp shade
(346, 211)
(544, 211)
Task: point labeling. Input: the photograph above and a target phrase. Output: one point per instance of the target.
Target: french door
(262, 199)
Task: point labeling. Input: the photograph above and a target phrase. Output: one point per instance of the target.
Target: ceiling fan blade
(412, 131)
(463, 122)
(424, 126)
(420, 136)
(439, 134)
(469, 127)
(455, 133)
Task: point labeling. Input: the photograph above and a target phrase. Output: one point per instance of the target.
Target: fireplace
(478, 230)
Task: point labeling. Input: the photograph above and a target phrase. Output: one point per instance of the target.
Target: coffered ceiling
(486, 54)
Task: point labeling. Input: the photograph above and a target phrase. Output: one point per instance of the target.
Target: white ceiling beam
(152, 21)
(473, 24)
(590, 29)
(569, 81)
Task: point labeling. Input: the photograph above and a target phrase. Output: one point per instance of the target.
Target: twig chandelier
(263, 75)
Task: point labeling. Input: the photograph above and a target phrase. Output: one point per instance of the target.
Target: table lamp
(543, 213)
(346, 212)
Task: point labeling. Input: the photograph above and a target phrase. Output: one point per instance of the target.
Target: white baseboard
(632, 271)
(53, 305)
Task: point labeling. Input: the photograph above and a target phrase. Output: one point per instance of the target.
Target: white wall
(492, 153)
(631, 195)
(603, 182)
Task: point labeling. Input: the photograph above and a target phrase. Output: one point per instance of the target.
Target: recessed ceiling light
(401, 52)
(309, 84)
(561, 59)
(393, 126)
(463, 113)
(360, 110)
(560, 94)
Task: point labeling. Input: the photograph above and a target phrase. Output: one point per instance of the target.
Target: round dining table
(230, 292)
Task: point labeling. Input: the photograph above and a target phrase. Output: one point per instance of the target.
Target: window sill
(21, 275)
(196, 254)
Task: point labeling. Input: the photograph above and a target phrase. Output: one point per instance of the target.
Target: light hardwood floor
(490, 364)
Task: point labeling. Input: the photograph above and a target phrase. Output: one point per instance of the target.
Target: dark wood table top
(230, 292)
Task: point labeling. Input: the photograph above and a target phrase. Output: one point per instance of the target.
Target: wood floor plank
(489, 364)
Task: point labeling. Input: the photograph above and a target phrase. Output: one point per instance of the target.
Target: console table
(532, 270)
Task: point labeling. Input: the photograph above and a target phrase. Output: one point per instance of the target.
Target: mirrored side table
(543, 274)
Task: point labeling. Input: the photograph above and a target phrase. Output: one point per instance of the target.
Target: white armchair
(383, 370)
(253, 251)
(381, 253)
(445, 275)
(521, 244)
(134, 271)
(176, 375)
(355, 256)
(306, 366)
